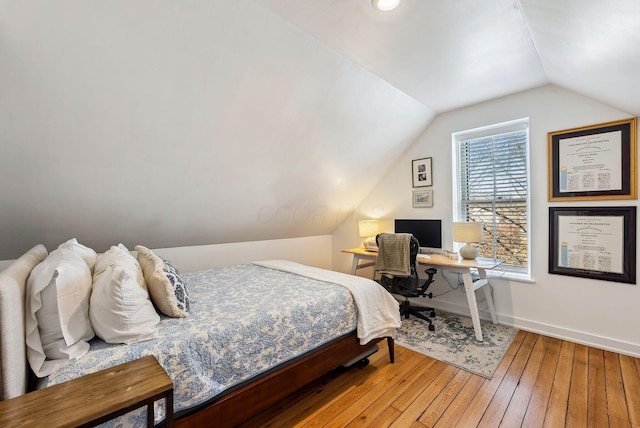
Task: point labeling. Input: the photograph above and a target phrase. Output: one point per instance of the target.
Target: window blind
(493, 189)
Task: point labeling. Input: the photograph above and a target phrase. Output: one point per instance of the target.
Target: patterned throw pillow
(179, 286)
(166, 286)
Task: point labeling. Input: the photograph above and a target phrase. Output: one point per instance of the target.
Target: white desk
(460, 266)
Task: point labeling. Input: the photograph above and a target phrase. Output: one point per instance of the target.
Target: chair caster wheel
(362, 363)
(431, 327)
(430, 295)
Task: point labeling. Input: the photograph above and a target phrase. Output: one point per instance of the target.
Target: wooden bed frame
(244, 403)
(231, 409)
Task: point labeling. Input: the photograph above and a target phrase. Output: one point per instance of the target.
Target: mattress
(244, 321)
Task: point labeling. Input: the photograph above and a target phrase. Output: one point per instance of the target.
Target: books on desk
(370, 247)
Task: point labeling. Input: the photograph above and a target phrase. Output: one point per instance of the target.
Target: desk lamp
(368, 229)
(469, 233)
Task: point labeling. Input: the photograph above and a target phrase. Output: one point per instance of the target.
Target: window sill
(511, 276)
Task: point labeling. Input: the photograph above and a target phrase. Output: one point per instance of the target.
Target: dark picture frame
(593, 242)
(596, 162)
(421, 172)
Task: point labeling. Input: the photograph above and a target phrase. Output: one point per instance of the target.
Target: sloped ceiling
(181, 123)
(449, 54)
(591, 47)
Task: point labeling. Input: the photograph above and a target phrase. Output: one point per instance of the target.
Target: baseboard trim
(580, 337)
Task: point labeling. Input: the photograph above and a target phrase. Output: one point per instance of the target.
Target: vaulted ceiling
(173, 123)
(449, 54)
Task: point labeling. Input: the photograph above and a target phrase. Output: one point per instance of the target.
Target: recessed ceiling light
(385, 5)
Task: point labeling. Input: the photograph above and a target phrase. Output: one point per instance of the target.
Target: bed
(255, 333)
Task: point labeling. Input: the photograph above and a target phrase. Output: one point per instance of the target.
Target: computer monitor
(427, 232)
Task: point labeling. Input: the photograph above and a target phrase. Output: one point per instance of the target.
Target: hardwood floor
(541, 382)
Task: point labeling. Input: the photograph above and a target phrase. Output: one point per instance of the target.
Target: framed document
(594, 162)
(421, 172)
(593, 242)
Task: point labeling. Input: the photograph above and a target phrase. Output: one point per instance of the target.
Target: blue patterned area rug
(454, 341)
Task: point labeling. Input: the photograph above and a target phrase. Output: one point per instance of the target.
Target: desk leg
(487, 296)
(473, 304)
(354, 264)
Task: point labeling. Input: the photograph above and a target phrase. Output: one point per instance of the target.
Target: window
(492, 187)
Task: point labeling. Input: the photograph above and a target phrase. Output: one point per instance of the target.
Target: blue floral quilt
(244, 320)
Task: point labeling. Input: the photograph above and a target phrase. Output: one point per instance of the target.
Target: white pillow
(121, 311)
(57, 308)
(87, 254)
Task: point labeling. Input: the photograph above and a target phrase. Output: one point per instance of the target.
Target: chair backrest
(414, 247)
(398, 284)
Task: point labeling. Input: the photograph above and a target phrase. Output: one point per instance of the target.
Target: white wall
(605, 314)
(312, 250)
(182, 123)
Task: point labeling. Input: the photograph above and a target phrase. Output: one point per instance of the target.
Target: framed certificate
(594, 162)
(593, 242)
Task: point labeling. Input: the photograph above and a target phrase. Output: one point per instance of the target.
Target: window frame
(457, 138)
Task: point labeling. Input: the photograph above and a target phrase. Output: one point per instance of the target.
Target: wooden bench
(93, 399)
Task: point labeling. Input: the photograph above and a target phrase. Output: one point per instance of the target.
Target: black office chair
(410, 286)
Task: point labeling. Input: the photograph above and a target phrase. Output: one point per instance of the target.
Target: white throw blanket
(378, 313)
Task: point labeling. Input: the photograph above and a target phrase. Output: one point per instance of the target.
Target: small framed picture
(421, 169)
(422, 198)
